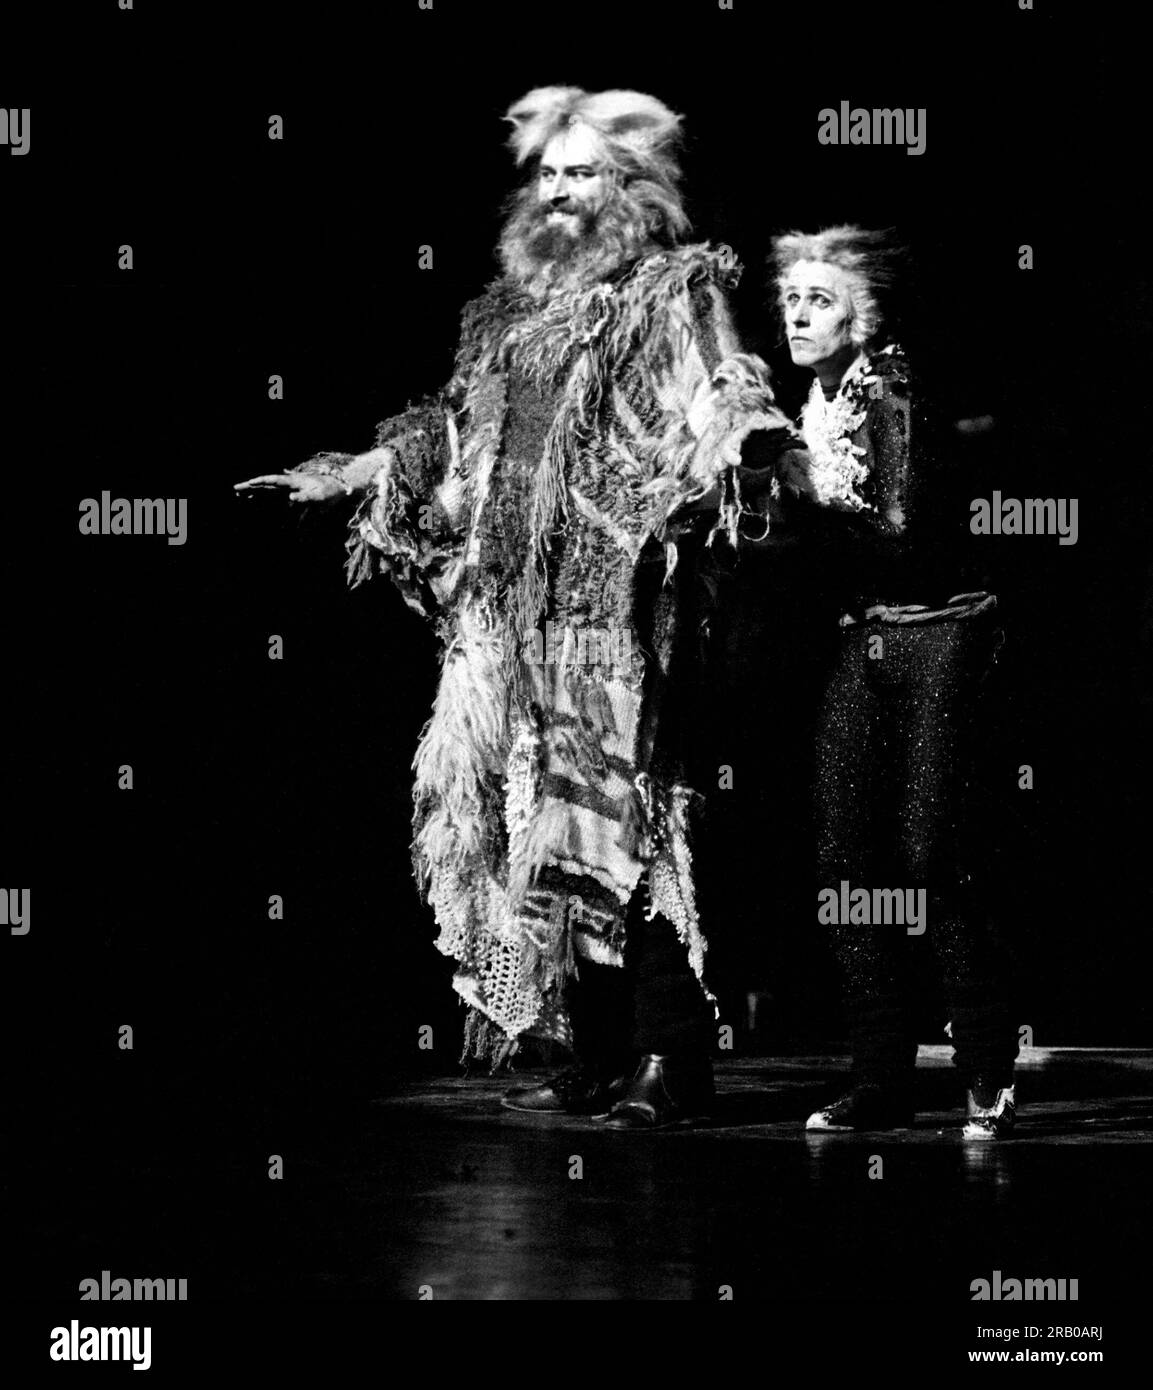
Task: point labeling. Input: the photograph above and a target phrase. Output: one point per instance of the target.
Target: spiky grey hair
(638, 135)
(872, 262)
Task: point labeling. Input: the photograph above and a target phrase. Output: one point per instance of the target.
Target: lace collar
(836, 471)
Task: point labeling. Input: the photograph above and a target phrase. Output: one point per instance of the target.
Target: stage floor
(436, 1191)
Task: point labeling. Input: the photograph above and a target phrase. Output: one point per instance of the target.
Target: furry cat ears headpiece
(643, 124)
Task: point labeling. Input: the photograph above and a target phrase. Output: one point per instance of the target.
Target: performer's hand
(762, 448)
(305, 487)
(794, 468)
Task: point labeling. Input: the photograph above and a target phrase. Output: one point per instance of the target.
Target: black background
(299, 258)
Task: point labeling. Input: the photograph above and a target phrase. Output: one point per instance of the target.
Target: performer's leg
(600, 1002)
(673, 1031)
(984, 1034)
(671, 1011)
(858, 727)
(951, 660)
(599, 999)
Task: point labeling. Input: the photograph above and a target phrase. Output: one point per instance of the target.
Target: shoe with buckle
(578, 1090)
(991, 1111)
(867, 1106)
(666, 1090)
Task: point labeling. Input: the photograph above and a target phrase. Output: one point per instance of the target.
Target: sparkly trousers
(894, 764)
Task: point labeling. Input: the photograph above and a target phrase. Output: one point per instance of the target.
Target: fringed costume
(522, 514)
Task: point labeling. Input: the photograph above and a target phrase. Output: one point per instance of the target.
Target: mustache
(540, 213)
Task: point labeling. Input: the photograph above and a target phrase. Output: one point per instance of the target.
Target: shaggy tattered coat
(515, 514)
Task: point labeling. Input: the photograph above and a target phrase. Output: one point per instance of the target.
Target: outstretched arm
(411, 502)
(326, 476)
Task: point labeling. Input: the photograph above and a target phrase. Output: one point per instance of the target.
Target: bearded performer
(901, 707)
(545, 510)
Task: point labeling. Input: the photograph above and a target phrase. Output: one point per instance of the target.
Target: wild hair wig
(638, 134)
(872, 261)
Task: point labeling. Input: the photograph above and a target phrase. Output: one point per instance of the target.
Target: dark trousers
(894, 766)
(655, 1004)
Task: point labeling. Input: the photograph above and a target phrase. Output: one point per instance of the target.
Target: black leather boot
(578, 1090)
(665, 1091)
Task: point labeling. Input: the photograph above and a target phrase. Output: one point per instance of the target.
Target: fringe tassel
(522, 809)
(671, 880)
(567, 323)
(358, 567)
(459, 747)
(659, 281)
(637, 825)
(542, 841)
(484, 1041)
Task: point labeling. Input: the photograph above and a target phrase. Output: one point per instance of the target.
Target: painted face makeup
(818, 316)
(572, 178)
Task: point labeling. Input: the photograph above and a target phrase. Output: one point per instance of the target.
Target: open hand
(305, 487)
